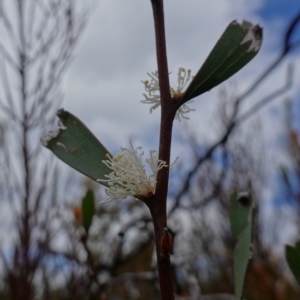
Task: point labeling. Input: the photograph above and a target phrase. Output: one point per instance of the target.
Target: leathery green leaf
(236, 47)
(241, 215)
(292, 255)
(75, 145)
(88, 210)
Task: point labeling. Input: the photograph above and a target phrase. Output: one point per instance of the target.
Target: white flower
(128, 176)
(183, 77)
(153, 93)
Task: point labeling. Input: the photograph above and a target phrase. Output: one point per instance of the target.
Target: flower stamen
(128, 176)
(153, 92)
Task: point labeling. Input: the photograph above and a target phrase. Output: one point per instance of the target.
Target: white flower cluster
(128, 176)
(153, 92)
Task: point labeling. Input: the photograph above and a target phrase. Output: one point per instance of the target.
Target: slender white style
(153, 93)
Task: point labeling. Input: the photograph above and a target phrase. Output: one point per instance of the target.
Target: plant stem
(163, 262)
(158, 203)
(161, 52)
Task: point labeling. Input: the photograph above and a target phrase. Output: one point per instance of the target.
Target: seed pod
(166, 243)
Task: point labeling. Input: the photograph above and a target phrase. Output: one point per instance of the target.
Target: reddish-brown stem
(158, 203)
(161, 52)
(158, 212)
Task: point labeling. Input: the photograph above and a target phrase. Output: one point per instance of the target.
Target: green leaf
(236, 47)
(241, 215)
(292, 255)
(75, 145)
(88, 210)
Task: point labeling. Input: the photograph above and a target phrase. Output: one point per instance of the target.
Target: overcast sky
(103, 85)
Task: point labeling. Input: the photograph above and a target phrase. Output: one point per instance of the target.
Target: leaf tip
(244, 198)
(253, 35)
(62, 115)
(45, 139)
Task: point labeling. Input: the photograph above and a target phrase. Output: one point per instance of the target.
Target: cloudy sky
(103, 85)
